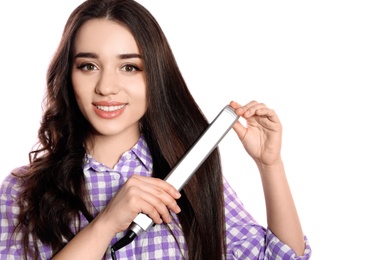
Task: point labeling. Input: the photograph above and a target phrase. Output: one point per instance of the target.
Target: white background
(322, 65)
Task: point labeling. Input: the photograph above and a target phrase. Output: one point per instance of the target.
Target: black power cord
(113, 255)
(127, 239)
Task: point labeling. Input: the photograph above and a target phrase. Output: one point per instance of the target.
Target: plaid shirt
(245, 238)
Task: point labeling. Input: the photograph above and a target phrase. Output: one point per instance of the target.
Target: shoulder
(11, 184)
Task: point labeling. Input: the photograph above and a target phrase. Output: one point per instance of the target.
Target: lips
(109, 109)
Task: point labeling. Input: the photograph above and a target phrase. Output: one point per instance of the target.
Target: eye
(130, 68)
(87, 66)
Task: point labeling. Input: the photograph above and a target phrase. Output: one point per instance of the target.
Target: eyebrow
(95, 56)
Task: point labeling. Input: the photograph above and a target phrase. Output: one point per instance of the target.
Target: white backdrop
(322, 65)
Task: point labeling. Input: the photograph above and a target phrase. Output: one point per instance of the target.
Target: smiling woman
(109, 86)
(118, 118)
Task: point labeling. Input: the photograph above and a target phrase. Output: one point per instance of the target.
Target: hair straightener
(185, 168)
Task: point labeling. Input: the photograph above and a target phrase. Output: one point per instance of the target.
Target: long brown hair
(54, 192)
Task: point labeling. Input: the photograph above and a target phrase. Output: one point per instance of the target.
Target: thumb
(238, 127)
(240, 130)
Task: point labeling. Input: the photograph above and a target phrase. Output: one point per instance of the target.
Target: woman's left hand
(262, 139)
(262, 135)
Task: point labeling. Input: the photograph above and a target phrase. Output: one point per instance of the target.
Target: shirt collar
(140, 151)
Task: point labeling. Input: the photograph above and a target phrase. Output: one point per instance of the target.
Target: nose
(107, 83)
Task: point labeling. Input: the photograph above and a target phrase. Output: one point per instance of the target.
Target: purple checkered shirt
(245, 238)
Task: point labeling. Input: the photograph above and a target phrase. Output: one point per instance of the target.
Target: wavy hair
(54, 193)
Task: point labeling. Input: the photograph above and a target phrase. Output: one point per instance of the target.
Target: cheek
(81, 89)
(78, 96)
(138, 91)
(143, 100)
(81, 98)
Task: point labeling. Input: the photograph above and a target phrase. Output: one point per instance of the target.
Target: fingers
(139, 194)
(153, 197)
(254, 108)
(157, 184)
(259, 119)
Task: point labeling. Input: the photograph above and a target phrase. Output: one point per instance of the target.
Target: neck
(108, 149)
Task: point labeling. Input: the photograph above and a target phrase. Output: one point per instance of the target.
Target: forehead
(104, 36)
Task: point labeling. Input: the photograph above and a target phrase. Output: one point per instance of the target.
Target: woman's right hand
(151, 196)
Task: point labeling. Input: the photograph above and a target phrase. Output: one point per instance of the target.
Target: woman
(118, 118)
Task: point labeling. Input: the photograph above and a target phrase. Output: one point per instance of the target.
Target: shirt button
(116, 176)
(128, 156)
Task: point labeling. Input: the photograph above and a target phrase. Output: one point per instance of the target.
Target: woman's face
(108, 78)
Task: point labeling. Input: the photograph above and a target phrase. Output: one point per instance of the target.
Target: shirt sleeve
(10, 241)
(9, 210)
(246, 239)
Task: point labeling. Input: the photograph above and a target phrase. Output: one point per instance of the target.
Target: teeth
(110, 108)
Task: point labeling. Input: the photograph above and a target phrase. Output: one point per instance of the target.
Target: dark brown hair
(54, 192)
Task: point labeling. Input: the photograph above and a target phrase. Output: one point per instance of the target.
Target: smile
(110, 108)
(109, 111)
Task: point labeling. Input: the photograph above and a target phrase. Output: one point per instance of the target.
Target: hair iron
(185, 168)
